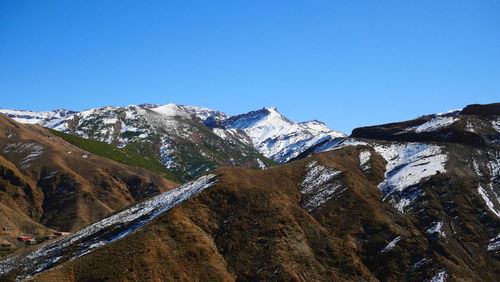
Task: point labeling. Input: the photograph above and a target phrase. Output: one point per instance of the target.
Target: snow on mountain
(494, 244)
(442, 276)
(25, 151)
(320, 185)
(50, 118)
(496, 125)
(489, 174)
(171, 110)
(204, 113)
(103, 232)
(408, 164)
(277, 137)
(489, 203)
(391, 245)
(435, 124)
(364, 160)
(272, 134)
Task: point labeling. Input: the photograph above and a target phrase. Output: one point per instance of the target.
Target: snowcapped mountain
(411, 201)
(277, 137)
(190, 140)
(419, 150)
(45, 181)
(48, 119)
(272, 134)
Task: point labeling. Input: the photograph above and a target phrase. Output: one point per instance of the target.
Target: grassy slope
(123, 156)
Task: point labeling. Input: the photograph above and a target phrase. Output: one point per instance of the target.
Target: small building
(60, 233)
(7, 228)
(23, 238)
(50, 237)
(30, 242)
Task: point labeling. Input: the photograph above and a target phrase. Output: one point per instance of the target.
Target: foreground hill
(48, 184)
(365, 210)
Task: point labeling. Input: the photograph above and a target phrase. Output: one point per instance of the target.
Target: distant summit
(189, 140)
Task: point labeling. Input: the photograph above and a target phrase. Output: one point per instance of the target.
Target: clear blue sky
(347, 63)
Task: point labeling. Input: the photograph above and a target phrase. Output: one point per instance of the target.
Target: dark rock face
(476, 125)
(394, 134)
(482, 110)
(212, 122)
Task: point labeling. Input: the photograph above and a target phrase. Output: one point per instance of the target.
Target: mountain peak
(272, 110)
(171, 110)
(266, 130)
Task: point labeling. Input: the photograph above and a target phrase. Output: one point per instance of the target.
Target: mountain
(47, 184)
(189, 140)
(366, 209)
(48, 119)
(277, 137)
(474, 125)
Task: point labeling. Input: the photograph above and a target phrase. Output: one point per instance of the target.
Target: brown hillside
(258, 225)
(47, 183)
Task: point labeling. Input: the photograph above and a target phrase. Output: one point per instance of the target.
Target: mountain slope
(169, 133)
(366, 210)
(277, 137)
(52, 183)
(476, 125)
(190, 140)
(105, 231)
(120, 155)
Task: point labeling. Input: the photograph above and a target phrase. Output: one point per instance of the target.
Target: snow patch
(28, 152)
(364, 159)
(408, 164)
(476, 168)
(434, 124)
(102, 232)
(436, 228)
(496, 125)
(262, 165)
(171, 110)
(494, 244)
(204, 113)
(470, 127)
(320, 185)
(488, 201)
(401, 204)
(167, 155)
(442, 276)
(418, 264)
(391, 245)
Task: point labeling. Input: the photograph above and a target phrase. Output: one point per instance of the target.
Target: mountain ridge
(189, 140)
(371, 209)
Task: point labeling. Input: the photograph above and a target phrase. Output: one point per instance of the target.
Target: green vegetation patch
(123, 156)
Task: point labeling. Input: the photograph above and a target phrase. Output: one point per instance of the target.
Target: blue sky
(347, 63)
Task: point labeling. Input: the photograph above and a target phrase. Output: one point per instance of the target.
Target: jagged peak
(203, 113)
(270, 116)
